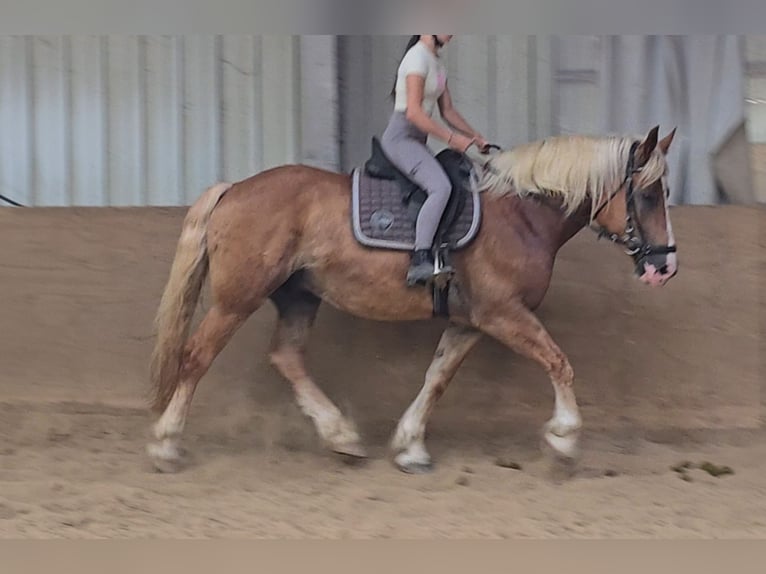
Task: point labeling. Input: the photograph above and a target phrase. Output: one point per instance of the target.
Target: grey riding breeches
(405, 146)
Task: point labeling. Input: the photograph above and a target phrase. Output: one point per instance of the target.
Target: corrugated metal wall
(143, 120)
(520, 88)
(501, 84)
(153, 120)
(512, 88)
(756, 88)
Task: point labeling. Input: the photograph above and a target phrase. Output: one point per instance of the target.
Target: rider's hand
(482, 145)
(460, 143)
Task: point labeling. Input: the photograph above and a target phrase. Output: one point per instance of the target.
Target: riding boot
(421, 268)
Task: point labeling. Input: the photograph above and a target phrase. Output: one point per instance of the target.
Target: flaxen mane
(573, 168)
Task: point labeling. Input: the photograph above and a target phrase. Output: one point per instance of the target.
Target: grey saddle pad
(382, 220)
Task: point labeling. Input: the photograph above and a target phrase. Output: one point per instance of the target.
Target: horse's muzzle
(656, 270)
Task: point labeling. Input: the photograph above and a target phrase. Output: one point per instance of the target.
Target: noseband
(631, 239)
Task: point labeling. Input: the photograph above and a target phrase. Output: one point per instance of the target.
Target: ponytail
(410, 43)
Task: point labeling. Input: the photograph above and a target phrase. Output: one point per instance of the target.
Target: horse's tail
(179, 300)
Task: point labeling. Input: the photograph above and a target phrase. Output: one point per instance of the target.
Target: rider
(421, 83)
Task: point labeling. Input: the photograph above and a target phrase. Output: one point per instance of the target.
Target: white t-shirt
(422, 61)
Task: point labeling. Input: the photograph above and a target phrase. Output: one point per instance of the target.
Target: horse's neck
(572, 225)
(551, 224)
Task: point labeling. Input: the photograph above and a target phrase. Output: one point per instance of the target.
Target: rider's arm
(418, 116)
(455, 120)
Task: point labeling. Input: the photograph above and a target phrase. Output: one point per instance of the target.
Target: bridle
(632, 239)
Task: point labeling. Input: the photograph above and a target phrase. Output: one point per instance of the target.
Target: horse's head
(637, 215)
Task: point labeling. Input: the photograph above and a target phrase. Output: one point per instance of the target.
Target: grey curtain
(696, 83)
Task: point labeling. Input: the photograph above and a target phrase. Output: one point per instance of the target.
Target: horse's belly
(368, 297)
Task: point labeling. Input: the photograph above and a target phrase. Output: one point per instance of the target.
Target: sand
(663, 377)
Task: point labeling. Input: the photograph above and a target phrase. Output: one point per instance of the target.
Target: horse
(284, 235)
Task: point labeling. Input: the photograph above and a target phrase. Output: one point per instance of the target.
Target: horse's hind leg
(297, 310)
(211, 336)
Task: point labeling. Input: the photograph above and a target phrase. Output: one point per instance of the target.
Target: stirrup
(443, 271)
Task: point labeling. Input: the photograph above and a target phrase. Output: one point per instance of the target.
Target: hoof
(564, 448)
(416, 468)
(353, 451)
(410, 464)
(166, 457)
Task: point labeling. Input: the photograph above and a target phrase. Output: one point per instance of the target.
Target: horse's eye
(650, 199)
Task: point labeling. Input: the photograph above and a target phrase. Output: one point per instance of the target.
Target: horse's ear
(664, 144)
(645, 149)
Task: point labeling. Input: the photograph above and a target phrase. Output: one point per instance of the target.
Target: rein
(631, 239)
(10, 201)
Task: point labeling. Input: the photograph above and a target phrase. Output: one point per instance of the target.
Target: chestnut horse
(285, 235)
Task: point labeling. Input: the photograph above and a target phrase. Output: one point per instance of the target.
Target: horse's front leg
(408, 441)
(518, 328)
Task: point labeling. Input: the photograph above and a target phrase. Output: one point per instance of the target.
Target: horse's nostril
(664, 269)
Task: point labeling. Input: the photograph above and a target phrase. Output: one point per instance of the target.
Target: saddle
(387, 204)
